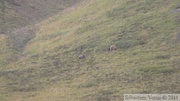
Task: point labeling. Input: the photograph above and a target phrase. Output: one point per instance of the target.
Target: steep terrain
(146, 33)
(18, 13)
(17, 19)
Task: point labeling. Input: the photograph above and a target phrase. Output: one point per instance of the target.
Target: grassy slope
(16, 23)
(5, 51)
(8, 20)
(147, 59)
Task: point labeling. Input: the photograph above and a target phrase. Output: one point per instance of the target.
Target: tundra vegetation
(146, 61)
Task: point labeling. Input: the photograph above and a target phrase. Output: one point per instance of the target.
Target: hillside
(17, 18)
(19, 13)
(146, 32)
